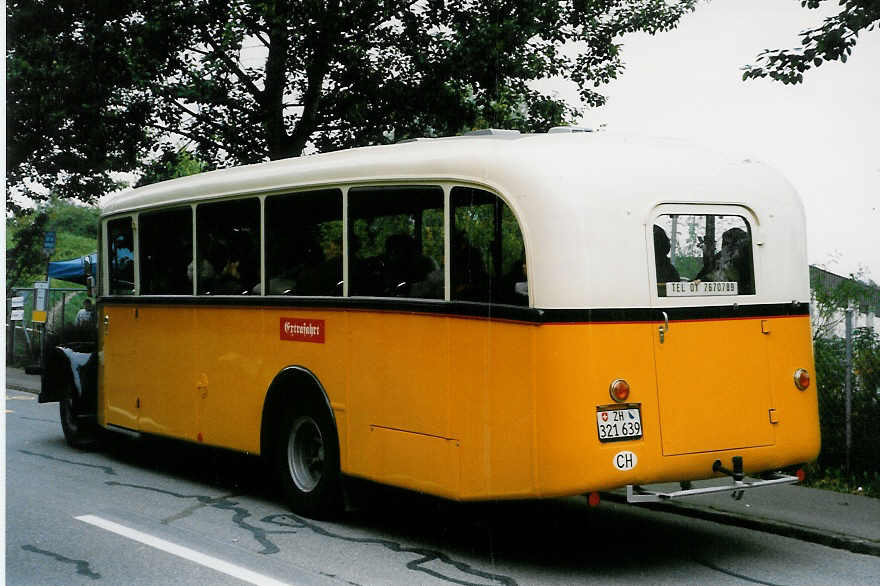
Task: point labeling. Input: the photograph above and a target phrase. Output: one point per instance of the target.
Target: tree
(832, 294)
(100, 87)
(832, 41)
(79, 105)
(170, 165)
(25, 258)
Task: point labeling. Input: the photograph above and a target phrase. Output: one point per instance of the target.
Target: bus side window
(228, 247)
(304, 243)
(396, 242)
(166, 252)
(488, 255)
(120, 244)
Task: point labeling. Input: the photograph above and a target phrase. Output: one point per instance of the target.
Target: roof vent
(493, 132)
(560, 129)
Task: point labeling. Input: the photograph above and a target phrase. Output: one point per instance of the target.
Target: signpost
(41, 288)
(49, 242)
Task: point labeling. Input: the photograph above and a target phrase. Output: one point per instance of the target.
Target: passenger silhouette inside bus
(733, 263)
(408, 273)
(666, 272)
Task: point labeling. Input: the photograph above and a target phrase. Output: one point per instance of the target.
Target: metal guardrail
(25, 338)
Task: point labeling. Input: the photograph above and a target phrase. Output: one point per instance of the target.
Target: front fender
(76, 363)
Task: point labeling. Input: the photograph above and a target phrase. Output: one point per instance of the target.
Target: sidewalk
(839, 520)
(17, 379)
(843, 521)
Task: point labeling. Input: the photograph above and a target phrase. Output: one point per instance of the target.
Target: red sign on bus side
(297, 329)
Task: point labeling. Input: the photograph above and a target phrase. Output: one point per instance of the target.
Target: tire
(79, 432)
(307, 460)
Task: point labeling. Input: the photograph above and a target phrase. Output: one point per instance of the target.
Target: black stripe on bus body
(477, 310)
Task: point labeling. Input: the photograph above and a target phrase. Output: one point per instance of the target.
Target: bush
(830, 468)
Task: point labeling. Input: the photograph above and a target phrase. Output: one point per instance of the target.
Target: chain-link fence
(848, 383)
(25, 338)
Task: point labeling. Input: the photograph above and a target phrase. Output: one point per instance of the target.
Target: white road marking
(181, 551)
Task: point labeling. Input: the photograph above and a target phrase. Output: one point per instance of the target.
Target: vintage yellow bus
(492, 316)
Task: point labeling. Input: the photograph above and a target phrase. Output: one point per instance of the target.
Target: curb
(800, 532)
(22, 388)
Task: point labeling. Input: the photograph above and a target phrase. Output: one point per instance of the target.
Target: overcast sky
(823, 135)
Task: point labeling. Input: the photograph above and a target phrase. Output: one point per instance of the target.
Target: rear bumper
(638, 494)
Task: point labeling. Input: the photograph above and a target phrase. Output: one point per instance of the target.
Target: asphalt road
(162, 512)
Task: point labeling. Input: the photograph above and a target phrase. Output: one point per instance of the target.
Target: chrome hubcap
(305, 453)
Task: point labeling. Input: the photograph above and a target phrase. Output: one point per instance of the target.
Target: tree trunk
(316, 71)
(272, 102)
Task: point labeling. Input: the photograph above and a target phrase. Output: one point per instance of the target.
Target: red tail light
(801, 474)
(619, 390)
(593, 499)
(801, 379)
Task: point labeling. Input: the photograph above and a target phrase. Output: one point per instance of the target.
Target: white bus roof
(583, 200)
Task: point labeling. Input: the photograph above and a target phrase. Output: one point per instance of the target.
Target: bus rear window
(703, 255)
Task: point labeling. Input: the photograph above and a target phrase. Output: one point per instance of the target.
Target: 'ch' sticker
(625, 460)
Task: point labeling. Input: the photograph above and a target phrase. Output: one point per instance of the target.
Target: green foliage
(832, 41)
(24, 249)
(170, 165)
(866, 483)
(832, 295)
(830, 361)
(76, 235)
(79, 105)
(688, 266)
(96, 88)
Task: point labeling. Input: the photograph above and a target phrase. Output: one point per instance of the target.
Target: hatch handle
(665, 327)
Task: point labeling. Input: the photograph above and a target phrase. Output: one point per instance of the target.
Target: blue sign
(49, 241)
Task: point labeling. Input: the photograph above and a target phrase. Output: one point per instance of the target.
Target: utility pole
(848, 384)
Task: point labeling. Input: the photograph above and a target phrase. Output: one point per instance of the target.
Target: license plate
(619, 423)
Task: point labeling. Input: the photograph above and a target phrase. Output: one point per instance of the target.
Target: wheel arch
(293, 384)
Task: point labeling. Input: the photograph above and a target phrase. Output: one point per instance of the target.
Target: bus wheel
(308, 462)
(79, 432)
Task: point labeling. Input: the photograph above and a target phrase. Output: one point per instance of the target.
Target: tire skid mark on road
(340, 579)
(181, 551)
(293, 524)
(107, 469)
(223, 503)
(428, 555)
(735, 574)
(187, 512)
(82, 566)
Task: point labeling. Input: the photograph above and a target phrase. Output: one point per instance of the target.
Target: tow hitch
(737, 475)
(639, 494)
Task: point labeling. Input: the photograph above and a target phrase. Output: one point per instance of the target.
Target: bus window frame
(702, 209)
(104, 253)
